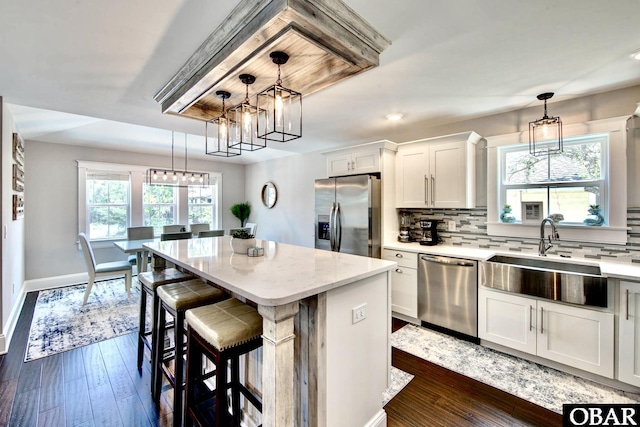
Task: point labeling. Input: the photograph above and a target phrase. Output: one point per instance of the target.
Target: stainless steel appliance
(405, 227)
(429, 233)
(448, 293)
(347, 215)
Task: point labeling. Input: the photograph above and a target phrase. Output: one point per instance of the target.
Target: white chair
(139, 233)
(173, 228)
(253, 228)
(197, 228)
(105, 269)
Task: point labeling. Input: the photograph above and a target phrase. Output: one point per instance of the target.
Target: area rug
(60, 322)
(536, 383)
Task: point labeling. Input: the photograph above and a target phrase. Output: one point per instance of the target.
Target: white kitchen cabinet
(574, 336)
(353, 163)
(629, 333)
(507, 319)
(437, 172)
(404, 282)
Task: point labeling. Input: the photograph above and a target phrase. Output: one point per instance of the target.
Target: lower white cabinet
(629, 333)
(404, 282)
(574, 336)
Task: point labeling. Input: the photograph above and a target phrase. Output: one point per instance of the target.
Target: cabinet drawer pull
(530, 318)
(433, 191)
(399, 256)
(399, 271)
(542, 320)
(627, 304)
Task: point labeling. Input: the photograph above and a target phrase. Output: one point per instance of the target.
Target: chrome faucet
(544, 246)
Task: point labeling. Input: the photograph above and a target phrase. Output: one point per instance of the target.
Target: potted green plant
(242, 212)
(241, 241)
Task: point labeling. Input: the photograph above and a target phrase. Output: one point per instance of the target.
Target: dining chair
(176, 228)
(196, 228)
(138, 233)
(105, 269)
(176, 236)
(211, 233)
(253, 228)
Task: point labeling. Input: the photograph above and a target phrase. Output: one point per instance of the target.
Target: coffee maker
(429, 234)
(405, 227)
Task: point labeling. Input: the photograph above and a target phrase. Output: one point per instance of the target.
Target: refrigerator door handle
(338, 224)
(332, 227)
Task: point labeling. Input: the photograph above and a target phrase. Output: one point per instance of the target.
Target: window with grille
(107, 204)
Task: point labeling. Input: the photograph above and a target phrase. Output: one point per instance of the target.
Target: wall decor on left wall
(18, 176)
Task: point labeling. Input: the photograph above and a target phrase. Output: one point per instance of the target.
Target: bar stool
(221, 332)
(149, 281)
(175, 299)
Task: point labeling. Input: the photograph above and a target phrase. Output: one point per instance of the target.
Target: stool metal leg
(178, 329)
(158, 353)
(141, 327)
(221, 390)
(235, 389)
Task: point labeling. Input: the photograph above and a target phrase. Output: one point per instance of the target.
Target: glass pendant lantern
(217, 141)
(545, 134)
(244, 125)
(279, 108)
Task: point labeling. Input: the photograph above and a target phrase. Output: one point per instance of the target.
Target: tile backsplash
(471, 231)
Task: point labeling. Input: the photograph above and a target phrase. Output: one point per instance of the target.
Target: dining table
(137, 247)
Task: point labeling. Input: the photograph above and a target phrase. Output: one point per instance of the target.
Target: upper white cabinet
(629, 333)
(437, 172)
(356, 160)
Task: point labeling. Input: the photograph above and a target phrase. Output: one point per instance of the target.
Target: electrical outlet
(359, 313)
(451, 225)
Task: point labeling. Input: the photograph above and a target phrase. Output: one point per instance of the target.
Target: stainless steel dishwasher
(448, 293)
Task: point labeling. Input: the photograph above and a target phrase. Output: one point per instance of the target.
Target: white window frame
(175, 205)
(216, 195)
(615, 232)
(136, 214)
(125, 205)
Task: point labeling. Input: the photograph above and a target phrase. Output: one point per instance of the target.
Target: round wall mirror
(269, 195)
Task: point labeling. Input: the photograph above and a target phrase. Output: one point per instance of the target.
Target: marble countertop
(286, 273)
(612, 269)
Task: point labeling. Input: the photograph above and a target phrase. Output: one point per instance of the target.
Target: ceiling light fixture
(177, 178)
(220, 137)
(244, 125)
(545, 129)
(394, 116)
(635, 55)
(279, 108)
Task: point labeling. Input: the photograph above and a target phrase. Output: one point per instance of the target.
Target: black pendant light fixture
(545, 134)
(217, 142)
(175, 177)
(244, 125)
(279, 108)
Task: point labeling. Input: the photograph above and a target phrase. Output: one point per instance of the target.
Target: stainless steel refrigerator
(347, 216)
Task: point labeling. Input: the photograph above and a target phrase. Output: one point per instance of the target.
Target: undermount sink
(547, 264)
(554, 280)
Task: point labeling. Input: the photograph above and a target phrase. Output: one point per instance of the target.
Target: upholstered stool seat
(175, 299)
(221, 332)
(149, 281)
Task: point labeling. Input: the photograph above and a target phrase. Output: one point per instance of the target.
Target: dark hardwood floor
(99, 385)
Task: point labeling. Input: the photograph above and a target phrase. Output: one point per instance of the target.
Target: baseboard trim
(379, 420)
(12, 321)
(55, 282)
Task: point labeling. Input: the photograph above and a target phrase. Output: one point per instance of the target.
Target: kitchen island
(326, 325)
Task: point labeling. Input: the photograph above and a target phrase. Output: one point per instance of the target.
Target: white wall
(51, 202)
(291, 219)
(13, 233)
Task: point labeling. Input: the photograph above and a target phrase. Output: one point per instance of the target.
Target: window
(202, 204)
(566, 183)
(159, 206)
(107, 195)
(112, 197)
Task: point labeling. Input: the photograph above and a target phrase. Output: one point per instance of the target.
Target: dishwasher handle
(448, 261)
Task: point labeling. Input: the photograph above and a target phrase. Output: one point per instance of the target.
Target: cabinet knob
(398, 255)
(398, 271)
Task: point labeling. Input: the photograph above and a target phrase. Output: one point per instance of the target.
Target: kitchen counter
(610, 269)
(318, 291)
